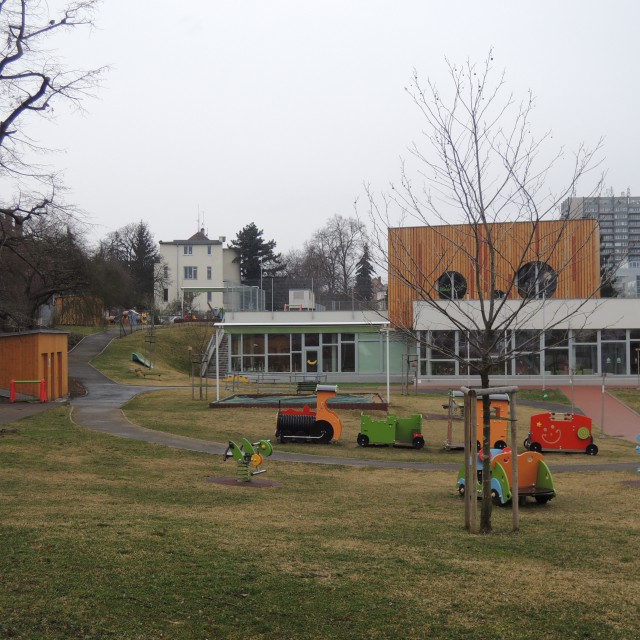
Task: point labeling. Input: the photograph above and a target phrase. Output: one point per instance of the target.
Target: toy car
(568, 432)
(394, 431)
(534, 477)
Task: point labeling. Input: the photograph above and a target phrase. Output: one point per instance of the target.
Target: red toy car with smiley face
(567, 432)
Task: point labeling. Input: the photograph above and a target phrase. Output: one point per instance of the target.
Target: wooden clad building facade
(35, 355)
(552, 259)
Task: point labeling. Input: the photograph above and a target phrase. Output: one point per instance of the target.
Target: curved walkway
(100, 410)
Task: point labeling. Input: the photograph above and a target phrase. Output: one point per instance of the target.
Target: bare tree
(32, 80)
(484, 199)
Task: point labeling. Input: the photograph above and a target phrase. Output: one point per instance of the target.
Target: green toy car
(398, 432)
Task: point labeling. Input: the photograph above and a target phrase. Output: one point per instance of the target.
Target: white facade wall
(601, 313)
(196, 257)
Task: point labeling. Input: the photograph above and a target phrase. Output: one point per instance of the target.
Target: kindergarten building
(567, 328)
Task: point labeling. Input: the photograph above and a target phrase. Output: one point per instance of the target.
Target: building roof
(199, 237)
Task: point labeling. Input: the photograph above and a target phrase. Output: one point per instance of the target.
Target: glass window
(279, 364)
(348, 357)
(451, 285)
(236, 344)
(556, 338)
(279, 343)
(585, 358)
(330, 358)
(443, 344)
(209, 273)
(614, 358)
(537, 280)
(312, 340)
(527, 364)
(556, 361)
(191, 273)
(585, 336)
(253, 343)
(527, 340)
(296, 342)
(443, 368)
(187, 250)
(253, 363)
(613, 334)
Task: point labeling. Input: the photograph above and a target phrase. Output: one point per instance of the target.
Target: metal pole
(604, 376)
(388, 393)
(543, 355)
(571, 372)
(217, 366)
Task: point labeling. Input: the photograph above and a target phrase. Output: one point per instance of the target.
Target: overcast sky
(276, 112)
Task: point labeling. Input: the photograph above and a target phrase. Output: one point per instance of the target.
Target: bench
(140, 373)
(306, 385)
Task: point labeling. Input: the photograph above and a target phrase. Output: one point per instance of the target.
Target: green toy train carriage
(398, 432)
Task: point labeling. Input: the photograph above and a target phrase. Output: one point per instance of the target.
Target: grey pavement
(101, 410)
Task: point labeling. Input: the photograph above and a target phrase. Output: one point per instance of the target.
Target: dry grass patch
(130, 541)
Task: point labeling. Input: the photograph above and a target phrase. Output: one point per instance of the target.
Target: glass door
(311, 363)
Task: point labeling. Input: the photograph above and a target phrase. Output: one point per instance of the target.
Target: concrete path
(100, 410)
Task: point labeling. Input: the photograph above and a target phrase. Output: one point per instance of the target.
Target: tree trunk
(485, 512)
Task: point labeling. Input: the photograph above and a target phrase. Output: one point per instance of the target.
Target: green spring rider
(249, 457)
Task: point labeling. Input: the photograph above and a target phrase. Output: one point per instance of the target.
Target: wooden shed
(35, 355)
(554, 259)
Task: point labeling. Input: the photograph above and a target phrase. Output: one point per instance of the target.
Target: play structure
(41, 385)
(534, 477)
(322, 425)
(499, 411)
(566, 432)
(394, 431)
(138, 357)
(249, 456)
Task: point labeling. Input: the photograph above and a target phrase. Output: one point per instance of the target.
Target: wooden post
(467, 463)
(515, 503)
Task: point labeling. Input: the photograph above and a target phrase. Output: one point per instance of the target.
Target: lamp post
(638, 363)
(261, 293)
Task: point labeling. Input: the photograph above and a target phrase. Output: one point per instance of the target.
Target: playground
(352, 550)
(333, 552)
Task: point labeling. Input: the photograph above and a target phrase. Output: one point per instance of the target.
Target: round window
(452, 285)
(537, 280)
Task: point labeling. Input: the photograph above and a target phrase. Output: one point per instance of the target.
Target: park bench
(306, 385)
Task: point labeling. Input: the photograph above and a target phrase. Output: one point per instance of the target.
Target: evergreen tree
(256, 255)
(364, 271)
(131, 254)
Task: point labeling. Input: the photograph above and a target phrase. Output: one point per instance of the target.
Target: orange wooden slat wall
(418, 256)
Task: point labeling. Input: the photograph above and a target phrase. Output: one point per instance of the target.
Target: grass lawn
(108, 538)
(170, 354)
